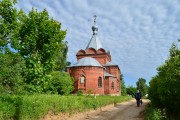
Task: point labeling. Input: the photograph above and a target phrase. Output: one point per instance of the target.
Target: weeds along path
(122, 111)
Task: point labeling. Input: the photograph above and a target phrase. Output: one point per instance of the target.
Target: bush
(10, 107)
(11, 80)
(79, 93)
(61, 83)
(152, 113)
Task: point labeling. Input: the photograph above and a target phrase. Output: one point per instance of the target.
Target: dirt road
(123, 111)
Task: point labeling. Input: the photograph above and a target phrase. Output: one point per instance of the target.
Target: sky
(138, 33)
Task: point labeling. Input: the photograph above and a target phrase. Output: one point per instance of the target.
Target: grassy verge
(34, 107)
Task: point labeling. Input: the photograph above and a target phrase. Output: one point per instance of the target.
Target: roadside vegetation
(152, 113)
(35, 107)
(164, 90)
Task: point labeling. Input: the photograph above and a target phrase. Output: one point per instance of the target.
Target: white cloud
(138, 33)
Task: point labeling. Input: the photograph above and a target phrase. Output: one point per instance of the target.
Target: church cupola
(94, 27)
(94, 48)
(94, 41)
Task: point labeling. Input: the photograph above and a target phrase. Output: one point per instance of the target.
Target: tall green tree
(123, 86)
(60, 60)
(40, 41)
(164, 87)
(142, 86)
(11, 64)
(37, 38)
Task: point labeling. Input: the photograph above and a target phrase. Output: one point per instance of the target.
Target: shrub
(152, 113)
(61, 82)
(10, 107)
(11, 80)
(80, 93)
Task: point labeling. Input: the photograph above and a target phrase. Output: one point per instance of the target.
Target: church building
(94, 73)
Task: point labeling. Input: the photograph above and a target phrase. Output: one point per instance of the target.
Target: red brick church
(94, 71)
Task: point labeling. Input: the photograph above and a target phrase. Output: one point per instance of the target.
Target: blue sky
(138, 33)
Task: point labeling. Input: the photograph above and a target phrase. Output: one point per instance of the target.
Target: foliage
(38, 39)
(60, 60)
(154, 95)
(123, 87)
(131, 90)
(142, 86)
(35, 107)
(153, 113)
(8, 23)
(79, 93)
(11, 65)
(10, 107)
(164, 91)
(61, 83)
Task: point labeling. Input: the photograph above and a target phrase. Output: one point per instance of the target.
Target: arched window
(100, 82)
(112, 85)
(82, 79)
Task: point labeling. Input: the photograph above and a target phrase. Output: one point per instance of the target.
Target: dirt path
(122, 111)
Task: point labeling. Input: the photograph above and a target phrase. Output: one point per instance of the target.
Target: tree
(131, 90)
(123, 87)
(141, 85)
(40, 41)
(11, 64)
(164, 87)
(37, 38)
(60, 60)
(153, 94)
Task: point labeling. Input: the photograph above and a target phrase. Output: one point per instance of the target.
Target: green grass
(34, 107)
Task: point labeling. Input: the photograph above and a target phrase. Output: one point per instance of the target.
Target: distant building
(94, 73)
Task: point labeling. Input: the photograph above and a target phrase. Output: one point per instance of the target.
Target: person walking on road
(138, 98)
